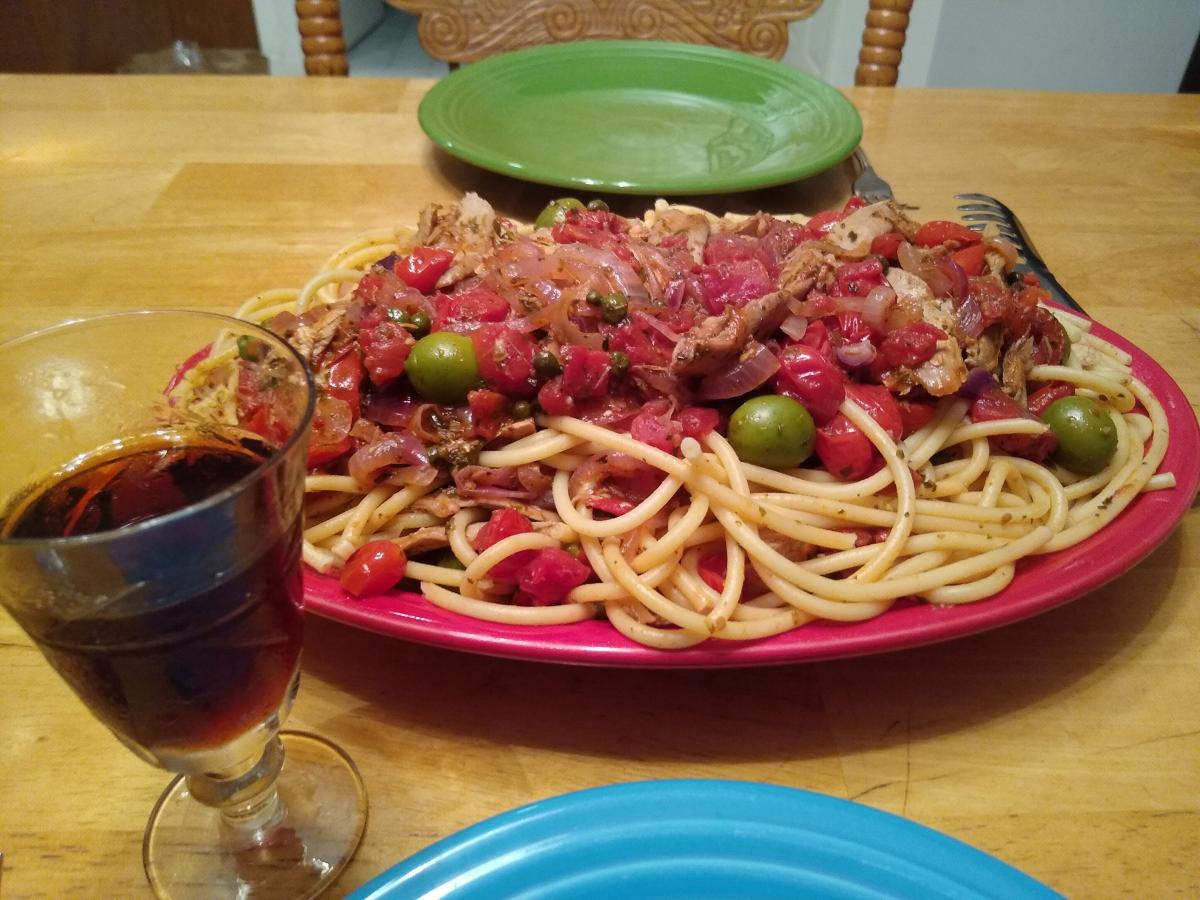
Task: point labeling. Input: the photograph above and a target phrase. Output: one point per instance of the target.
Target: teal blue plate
(700, 839)
(641, 117)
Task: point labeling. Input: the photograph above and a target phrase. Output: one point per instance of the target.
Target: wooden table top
(1067, 745)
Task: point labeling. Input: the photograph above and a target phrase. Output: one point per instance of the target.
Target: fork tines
(981, 209)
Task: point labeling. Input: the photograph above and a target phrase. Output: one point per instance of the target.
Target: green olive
(556, 211)
(1087, 438)
(772, 431)
(442, 367)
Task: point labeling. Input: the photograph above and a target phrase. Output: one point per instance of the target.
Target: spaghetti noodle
(670, 534)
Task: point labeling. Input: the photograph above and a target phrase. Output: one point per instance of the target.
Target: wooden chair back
(460, 31)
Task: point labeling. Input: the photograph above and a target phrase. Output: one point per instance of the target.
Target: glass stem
(245, 796)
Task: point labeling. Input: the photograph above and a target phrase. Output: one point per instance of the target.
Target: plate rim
(412, 617)
(441, 136)
(741, 803)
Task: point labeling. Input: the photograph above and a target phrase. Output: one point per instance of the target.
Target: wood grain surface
(1067, 745)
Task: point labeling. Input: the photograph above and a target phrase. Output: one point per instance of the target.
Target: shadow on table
(523, 200)
(787, 712)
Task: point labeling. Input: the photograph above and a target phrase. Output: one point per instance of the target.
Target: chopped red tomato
(1040, 400)
(888, 245)
(488, 409)
(594, 227)
(653, 426)
(816, 336)
(422, 268)
(344, 381)
(549, 577)
(697, 421)
(504, 523)
(857, 279)
(823, 222)
(373, 568)
(994, 404)
(915, 414)
(735, 282)
(505, 359)
(810, 378)
(940, 231)
(910, 345)
(852, 326)
(385, 350)
(465, 310)
(586, 373)
(844, 451)
(880, 404)
(554, 399)
(641, 342)
(971, 258)
(854, 204)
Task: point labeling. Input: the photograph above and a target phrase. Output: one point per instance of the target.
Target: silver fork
(868, 184)
(980, 210)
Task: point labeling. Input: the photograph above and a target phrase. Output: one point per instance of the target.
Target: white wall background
(1064, 45)
(1068, 45)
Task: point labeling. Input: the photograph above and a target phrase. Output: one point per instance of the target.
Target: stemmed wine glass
(151, 489)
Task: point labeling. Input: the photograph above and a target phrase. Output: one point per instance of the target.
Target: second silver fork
(980, 210)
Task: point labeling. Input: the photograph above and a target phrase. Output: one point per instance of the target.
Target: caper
(619, 362)
(594, 297)
(521, 410)
(597, 203)
(614, 307)
(420, 324)
(397, 315)
(546, 364)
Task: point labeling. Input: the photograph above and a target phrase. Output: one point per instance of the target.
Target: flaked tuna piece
(423, 540)
(853, 234)
(1018, 360)
(718, 341)
(467, 227)
(711, 344)
(944, 372)
(807, 267)
(695, 225)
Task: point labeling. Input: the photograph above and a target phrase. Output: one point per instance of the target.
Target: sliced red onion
(970, 317)
(977, 381)
(422, 476)
(860, 353)
(393, 448)
(794, 327)
(877, 305)
(753, 369)
(389, 411)
(956, 276)
(674, 293)
(658, 325)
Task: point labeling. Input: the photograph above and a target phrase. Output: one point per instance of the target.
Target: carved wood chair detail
(459, 31)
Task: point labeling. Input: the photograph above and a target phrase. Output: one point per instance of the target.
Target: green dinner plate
(641, 117)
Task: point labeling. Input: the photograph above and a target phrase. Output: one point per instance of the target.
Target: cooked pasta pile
(947, 519)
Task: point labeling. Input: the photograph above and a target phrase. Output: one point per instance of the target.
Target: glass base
(188, 851)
